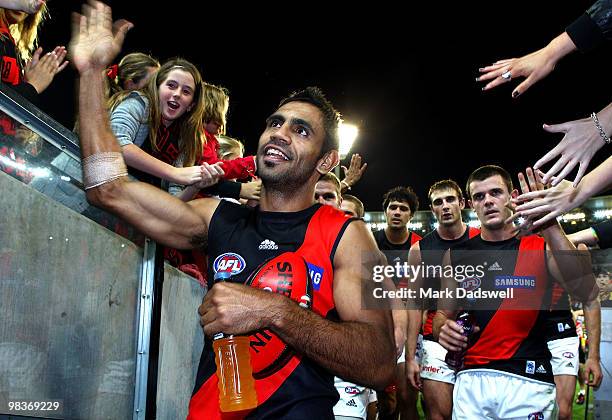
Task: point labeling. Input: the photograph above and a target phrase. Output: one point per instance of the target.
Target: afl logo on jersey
(471, 284)
(229, 263)
(351, 390)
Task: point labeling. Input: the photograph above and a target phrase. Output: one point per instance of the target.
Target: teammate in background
(355, 400)
(298, 145)
(563, 344)
(582, 333)
(446, 202)
(507, 371)
(352, 205)
(399, 205)
(327, 190)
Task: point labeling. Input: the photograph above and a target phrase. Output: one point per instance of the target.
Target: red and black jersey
(11, 67)
(559, 319)
(433, 247)
(396, 253)
(240, 239)
(511, 338)
(11, 74)
(168, 151)
(384, 245)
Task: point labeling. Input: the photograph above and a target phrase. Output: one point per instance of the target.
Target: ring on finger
(507, 75)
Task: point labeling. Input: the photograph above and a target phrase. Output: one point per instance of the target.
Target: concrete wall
(181, 343)
(68, 299)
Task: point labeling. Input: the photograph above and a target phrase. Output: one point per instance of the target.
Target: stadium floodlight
(348, 133)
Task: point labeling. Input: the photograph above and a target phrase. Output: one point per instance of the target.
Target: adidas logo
(567, 327)
(570, 364)
(268, 245)
(541, 369)
(351, 403)
(495, 267)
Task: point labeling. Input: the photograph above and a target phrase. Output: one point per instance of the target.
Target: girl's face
(14, 16)
(130, 85)
(213, 127)
(235, 152)
(176, 95)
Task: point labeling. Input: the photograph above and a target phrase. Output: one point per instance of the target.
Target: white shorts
(354, 399)
(564, 359)
(492, 394)
(433, 366)
(418, 354)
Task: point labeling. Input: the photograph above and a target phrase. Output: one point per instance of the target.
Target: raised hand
(354, 172)
(580, 142)
(211, 174)
(40, 71)
(251, 190)
(96, 41)
(541, 206)
(533, 67)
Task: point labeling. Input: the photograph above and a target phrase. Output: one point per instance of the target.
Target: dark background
(403, 72)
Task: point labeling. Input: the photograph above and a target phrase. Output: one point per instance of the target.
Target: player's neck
(397, 236)
(454, 231)
(285, 201)
(497, 235)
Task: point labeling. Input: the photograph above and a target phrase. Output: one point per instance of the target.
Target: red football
(286, 274)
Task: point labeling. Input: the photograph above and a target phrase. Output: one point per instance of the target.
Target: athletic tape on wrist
(102, 168)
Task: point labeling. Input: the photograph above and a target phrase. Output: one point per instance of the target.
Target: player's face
(290, 146)
(602, 279)
(398, 214)
(326, 193)
(446, 206)
(489, 200)
(176, 95)
(349, 208)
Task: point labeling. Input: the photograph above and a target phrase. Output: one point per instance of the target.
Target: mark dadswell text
(430, 293)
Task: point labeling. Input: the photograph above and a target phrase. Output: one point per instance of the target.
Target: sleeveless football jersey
(510, 339)
(395, 253)
(240, 239)
(433, 247)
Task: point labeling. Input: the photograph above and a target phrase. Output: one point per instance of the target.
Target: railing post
(145, 310)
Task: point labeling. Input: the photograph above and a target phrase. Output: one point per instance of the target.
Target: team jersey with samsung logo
(433, 247)
(511, 340)
(240, 239)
